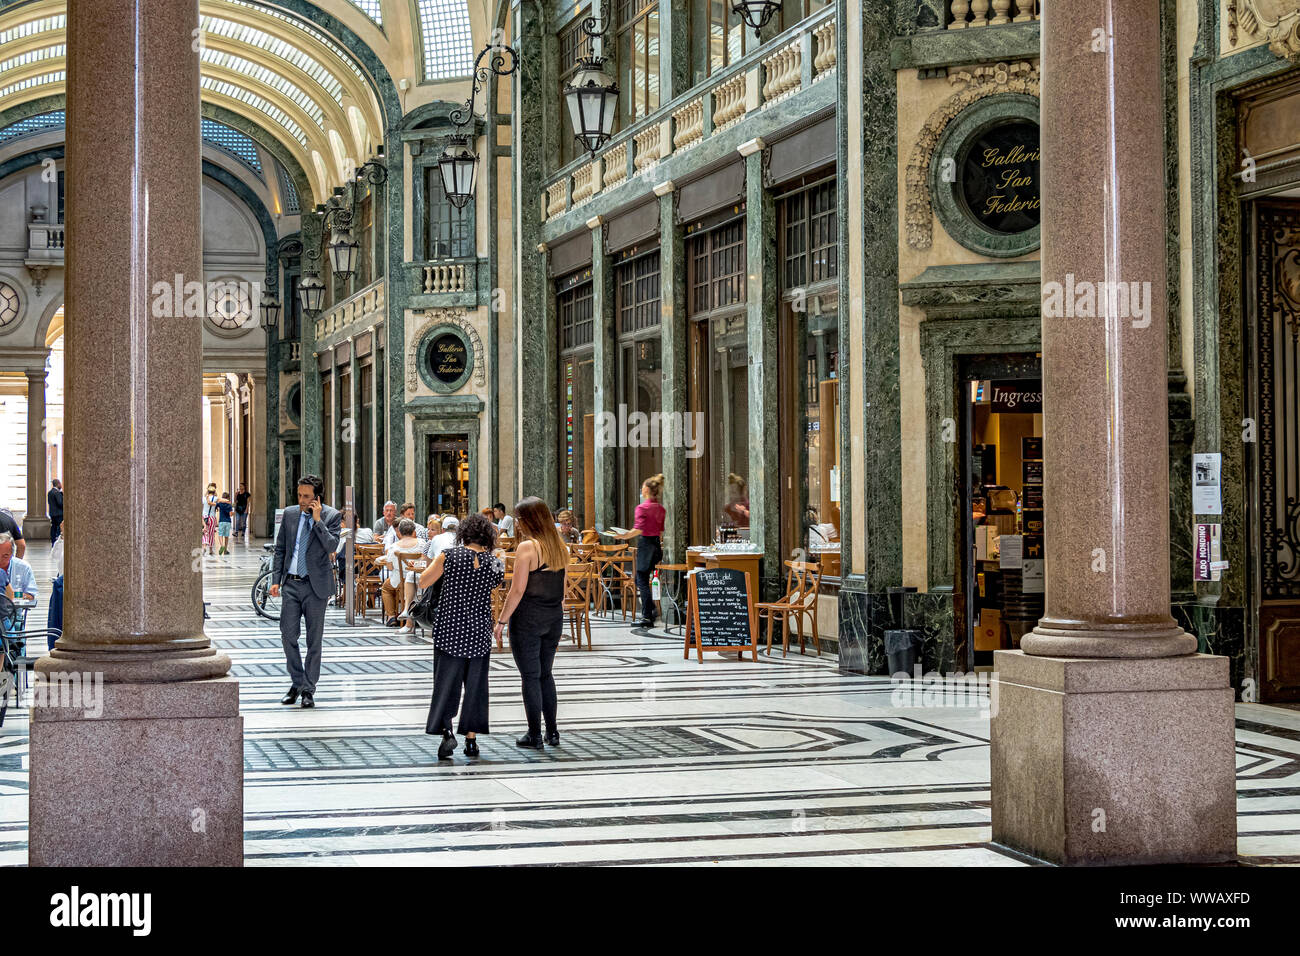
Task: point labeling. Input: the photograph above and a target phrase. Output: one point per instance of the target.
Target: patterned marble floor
(662, 762)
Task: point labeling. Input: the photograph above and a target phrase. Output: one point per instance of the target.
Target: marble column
(217, 449)
(354, 414)
(259, 466)
(146, 767)
(1112, 741)
(36, 523)
(673, 349)
(760, 325)
(605, 392)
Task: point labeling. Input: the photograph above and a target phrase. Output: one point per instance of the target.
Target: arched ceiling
(265, 64)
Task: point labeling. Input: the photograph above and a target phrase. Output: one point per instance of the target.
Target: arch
(43, 327)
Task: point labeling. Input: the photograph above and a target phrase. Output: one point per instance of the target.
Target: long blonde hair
(534, 522)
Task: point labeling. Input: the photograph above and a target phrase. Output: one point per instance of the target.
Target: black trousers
(534, 652)
(450, 674)
(56, 527)
(298, 602)
(648, 555)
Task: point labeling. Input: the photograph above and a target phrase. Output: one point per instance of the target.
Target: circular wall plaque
(984, 176)
(446, 358)
(999, 177)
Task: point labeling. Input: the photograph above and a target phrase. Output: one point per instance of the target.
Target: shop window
(638, 293)
(574, 46)
(449, 232)
(719, 381)
(640, 372)
(808, 379)
(574, 308)
(638, 58)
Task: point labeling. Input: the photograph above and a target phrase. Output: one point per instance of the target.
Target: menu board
(720, 611)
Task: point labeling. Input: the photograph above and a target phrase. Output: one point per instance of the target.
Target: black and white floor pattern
(662, 760)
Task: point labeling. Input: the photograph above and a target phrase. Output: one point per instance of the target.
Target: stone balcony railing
(963, 14)
(295, 351)
(788, 64)
(449, 275)
(45, 243)
(359, 310)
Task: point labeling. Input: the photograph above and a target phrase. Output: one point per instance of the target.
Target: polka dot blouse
(463, 622)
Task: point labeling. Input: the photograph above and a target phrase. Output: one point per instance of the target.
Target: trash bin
(902, 650)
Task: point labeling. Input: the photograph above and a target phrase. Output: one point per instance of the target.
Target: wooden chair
(499, 595)
(506, 543)
(802, 586)
(369, 576)
(590, 536)
(409, 561)
(611, 572)
(579, 580)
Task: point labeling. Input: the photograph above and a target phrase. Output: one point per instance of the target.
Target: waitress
(650, 526)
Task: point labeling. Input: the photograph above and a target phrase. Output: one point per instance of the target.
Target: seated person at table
(396, 592)
(441, 542)
(564, 525)
(21, 578)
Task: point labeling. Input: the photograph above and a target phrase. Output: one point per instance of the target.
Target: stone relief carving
(434, 318)
(1277, 21)
(971, 85)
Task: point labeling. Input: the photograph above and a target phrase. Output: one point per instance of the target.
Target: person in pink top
(647, 530)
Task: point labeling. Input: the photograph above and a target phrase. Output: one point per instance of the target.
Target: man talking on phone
(302, 569)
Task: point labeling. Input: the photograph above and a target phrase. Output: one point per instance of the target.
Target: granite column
(1112, 741)
(36, 523)
(146, 767)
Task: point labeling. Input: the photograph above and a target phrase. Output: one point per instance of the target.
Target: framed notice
(1033, 576)
(720, 612)
(1206, 496)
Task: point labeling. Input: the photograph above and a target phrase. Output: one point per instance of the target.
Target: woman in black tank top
(534, 611)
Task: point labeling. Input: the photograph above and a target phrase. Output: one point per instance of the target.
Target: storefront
(1000, 562)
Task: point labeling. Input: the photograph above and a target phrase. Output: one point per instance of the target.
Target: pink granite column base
(156, 779)
(1114, 762)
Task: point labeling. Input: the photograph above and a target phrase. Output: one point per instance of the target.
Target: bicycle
(263, 603)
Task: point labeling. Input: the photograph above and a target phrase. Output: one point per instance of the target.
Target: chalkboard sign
(720, 611)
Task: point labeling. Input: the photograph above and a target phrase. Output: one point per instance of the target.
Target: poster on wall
(1207, 562)
(1033, 573)
(1207, 498)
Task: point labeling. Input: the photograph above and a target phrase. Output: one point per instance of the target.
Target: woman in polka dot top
(462, 633)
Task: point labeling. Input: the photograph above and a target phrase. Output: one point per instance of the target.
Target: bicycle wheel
(265, 605)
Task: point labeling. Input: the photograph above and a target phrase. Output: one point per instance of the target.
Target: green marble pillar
(674, 50)
(354, 419)
(761, 331)
(337, 405)
(674, 355)
(538, 399)
(605, 399)
(393, 484)
(310, 424)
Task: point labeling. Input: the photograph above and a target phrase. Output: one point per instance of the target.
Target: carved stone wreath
(973, 85)
(434, 318)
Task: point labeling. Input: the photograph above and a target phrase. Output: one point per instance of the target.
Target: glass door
(448, 476)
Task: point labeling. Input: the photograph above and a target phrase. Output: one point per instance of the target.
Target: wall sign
(448, 358)
(720, 611)
(444, 356)
(999, 177)
(1016, 396)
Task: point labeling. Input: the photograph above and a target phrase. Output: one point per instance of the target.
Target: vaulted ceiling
(275, 68)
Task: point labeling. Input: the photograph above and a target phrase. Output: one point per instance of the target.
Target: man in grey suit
(304, 550)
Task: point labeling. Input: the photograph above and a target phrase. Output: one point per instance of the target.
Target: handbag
(424, 607)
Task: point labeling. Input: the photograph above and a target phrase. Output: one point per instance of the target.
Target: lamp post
(344, 250)
(592, 97)
(756, 13)
(458, 164)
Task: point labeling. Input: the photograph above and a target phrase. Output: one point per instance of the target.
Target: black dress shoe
(531, 742)
(645, 623)
(291, 697)
(552, 738)
(308, 699)
(448, 745)
(471, 747)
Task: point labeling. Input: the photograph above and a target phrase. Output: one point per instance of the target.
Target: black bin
(902, 650)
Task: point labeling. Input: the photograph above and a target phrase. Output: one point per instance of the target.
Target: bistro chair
(499, 595)
(579, 581)
(672, 597)
(590, 536)
(369, 575)
(611, 572)
(802, 586)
